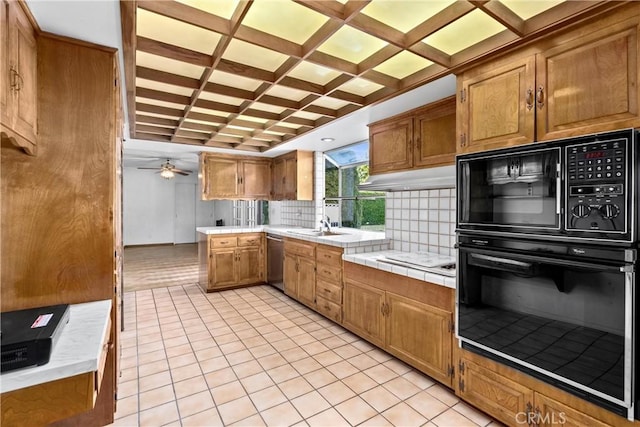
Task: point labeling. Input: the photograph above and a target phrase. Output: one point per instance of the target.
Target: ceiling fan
(168, 170)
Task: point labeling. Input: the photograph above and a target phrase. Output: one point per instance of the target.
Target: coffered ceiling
(250, 75)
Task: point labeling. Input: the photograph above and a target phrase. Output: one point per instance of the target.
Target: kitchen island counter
(348, 238)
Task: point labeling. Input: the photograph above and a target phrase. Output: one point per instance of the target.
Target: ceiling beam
(129, 41)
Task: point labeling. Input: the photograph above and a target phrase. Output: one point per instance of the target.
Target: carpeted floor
(159, 266)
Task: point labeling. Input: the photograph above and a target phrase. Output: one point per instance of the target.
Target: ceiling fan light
(167, 173)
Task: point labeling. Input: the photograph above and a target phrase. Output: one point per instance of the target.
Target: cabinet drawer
(329, 257)
(300, 248)
(330, 309)
(330, 291)
(329, 272)
(223, 242)
(250, 240)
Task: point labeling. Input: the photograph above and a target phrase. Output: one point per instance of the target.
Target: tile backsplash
(421, 220)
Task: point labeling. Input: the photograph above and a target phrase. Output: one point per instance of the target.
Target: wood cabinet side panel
(57, 207)
(304, 175)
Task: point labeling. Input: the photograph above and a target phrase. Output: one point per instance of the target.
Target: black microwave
(581, 188)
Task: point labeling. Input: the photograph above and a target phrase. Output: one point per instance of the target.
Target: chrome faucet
(326, 223)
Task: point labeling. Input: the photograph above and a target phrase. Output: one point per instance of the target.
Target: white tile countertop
(370, 259)
(345, 237)
(77, 351)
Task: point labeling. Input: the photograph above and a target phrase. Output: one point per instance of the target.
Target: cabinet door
(223, 268)
(496, 106)
(290, 186)
(498, 396)
(435, 135)
(277, 179)
(5, 77)
(249, 266)
(589, 84)
(362, 311)
(220, 178)
(255, 179)
(23, 42)
(307, 280)
(290, 275)
(549, 412)
(390, 146)
(421, 335)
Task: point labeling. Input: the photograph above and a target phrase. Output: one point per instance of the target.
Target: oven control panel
(596, 186)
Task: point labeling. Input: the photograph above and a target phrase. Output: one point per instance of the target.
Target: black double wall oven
(547, 255)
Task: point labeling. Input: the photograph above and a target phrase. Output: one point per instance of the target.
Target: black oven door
(544, 309)
(514, 190)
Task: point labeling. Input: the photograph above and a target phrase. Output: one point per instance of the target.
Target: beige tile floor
(253, 357)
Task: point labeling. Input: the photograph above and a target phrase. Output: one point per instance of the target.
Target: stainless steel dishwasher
(275, 261)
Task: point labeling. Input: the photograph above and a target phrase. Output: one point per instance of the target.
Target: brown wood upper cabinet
(18, 77)
(578, 82)
(420, 138)
(292, 177)
(234, 177)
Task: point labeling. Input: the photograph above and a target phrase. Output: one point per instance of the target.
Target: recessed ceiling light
(327, 139)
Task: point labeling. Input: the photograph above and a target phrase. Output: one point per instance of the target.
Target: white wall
(149, 207)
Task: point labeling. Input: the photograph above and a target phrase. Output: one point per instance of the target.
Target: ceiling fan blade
(150, 168)
(182, 170)
(181, 173)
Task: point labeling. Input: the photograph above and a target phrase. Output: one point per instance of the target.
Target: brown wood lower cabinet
(517, 399)
(300, 271)
(409, 318)
(231, 260)
(328, 289)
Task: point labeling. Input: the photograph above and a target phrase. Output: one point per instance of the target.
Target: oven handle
(558, 189)
(526, 261)
(500, 260)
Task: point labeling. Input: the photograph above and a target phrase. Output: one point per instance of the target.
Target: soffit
(251, 75)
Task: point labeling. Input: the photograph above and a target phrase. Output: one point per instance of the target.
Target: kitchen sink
(317, 233)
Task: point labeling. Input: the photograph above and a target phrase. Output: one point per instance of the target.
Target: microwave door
(519, 192)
